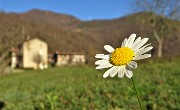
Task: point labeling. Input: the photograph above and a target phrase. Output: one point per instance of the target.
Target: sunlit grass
(84, 88)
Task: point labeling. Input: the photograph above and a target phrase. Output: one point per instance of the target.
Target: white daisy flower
(122, 60)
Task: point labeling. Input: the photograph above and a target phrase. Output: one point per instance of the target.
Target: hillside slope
(50, 17)
(67, 33)
(114, 31)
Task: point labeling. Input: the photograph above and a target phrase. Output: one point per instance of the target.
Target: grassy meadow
(83, 88)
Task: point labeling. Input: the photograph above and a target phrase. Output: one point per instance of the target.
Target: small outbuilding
(35, 54)
(68, 58)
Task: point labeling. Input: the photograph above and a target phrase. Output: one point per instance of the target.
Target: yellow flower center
(121, 56)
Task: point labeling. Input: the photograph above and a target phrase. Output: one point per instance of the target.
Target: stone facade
(35, 54)
(62, 59)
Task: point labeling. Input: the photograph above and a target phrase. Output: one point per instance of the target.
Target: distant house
(35, 54)
(30, 54)
(14, 59)
(77, 58)
(64, 58)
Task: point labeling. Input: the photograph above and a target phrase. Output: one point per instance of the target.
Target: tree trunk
(160, 48)
(160, 41)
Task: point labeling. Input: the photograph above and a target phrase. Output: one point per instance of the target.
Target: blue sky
(82, 9)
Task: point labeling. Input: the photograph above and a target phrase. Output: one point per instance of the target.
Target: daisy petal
(128, 72)
(104, 66)
(132, 64)
(108, 48)
(114, 72)
(102, 56)
(142, 51)
(101, 62)
(124, 42)
(136, 41)
(121, 72)
(140, 44)
(143, 47)
(142, 57)
(106, 74)
(131, 40)
(99, 55)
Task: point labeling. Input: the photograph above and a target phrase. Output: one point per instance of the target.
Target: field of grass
(83, 88)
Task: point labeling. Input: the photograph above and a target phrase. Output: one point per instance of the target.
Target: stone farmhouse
(31, 54)
(34, 54)
(71, 58)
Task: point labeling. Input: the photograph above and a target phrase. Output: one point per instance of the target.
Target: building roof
(34, 39)
(69, 53)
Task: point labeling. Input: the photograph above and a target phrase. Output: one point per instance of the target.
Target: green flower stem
(139, 99)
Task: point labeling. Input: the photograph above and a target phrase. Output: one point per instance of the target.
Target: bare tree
(159, 24)
(5, 57)
(4, 61)
(10, 28)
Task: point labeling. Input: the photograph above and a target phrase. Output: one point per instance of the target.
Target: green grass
(83, 88)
